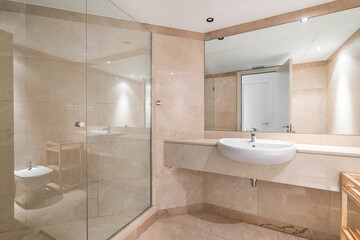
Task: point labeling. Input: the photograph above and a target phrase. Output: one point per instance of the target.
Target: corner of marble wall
(178, 82)
(7, 186)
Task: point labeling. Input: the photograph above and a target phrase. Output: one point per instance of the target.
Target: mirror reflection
(301, 77)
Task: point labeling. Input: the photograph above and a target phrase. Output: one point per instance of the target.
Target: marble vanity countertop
(300, 148)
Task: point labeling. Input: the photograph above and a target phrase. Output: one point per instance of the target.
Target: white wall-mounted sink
(260, 152)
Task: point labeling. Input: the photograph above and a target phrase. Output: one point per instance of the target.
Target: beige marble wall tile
(7, 79)
(13, 24)
(209, 103)
(225, 93)
(7, 124)
(276, 205)
(124, 160)
(225, 115)
(225, 120)
(296, 205)
(309, 98)
(67, 38)
(55, 81)
(129, 196)
(7, 190)
(194, 208)
(178, 54)
(178, 88)
(230, 192)
(309, 110)
(309, 75)
(19, 79)
(179, 187)
(178, 76)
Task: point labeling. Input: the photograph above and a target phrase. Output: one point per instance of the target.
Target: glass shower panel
(42, 94)
(61, 63)
(119, 118)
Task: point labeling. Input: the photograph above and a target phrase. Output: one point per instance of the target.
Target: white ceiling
(273, 46)
(191, 14)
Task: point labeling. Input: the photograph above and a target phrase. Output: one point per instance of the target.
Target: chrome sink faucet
(253, 134)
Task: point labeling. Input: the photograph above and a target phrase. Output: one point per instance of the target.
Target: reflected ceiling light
(221, 38)
(319, 48)
(172, 73)
(108, 62)
(305, 19)
(210, 19)
(131, 76)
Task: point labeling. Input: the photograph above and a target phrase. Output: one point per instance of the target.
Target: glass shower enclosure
(75, 119)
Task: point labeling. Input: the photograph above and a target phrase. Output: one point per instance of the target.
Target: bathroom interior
(164, 120)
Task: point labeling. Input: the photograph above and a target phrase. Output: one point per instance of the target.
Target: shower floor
(207, 226)
(63, 217)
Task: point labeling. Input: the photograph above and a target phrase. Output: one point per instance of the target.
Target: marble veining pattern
(207, 226)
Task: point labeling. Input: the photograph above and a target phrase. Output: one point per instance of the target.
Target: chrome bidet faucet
(29, 165)
(253, 134)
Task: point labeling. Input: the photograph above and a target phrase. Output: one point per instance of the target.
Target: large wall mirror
(301, 77)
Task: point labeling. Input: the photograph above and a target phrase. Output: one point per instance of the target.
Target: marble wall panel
(178, 82)
(295, 205)
(209, 103)
(225, 102)
(230, 192)
(7, 189)
(309, 97)
(317, 211)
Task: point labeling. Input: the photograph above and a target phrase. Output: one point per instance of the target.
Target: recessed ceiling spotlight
(305, 19)
(108, 62)
(319, 48)
(210, 19)
(221, 38)
(172, 73)
(131, 76)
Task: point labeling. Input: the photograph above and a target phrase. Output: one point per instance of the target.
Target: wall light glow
(341, 84)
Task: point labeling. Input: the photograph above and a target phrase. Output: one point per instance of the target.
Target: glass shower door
(75, 119)
(118, 118)
(43, 93)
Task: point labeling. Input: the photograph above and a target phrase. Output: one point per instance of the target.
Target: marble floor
(207, 226)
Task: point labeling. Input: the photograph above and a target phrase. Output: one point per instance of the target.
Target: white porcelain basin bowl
(260, 152)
